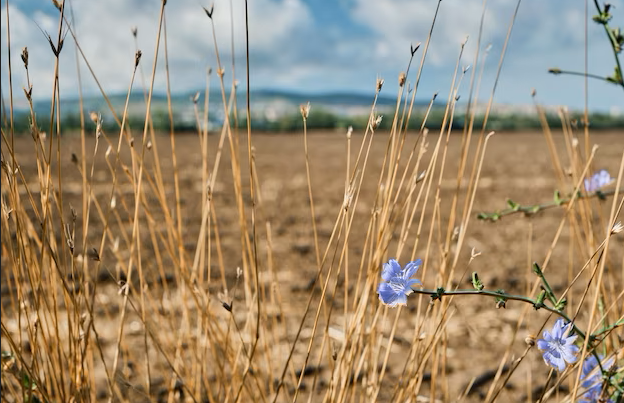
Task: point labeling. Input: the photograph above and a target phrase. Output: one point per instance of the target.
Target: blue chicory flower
(592, 380)
(557, 346)
(598, 180)
(398, 282)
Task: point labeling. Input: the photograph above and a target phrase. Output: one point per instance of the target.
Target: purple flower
(592, 380)
(598, 180)
(557, 346)
(398, 282)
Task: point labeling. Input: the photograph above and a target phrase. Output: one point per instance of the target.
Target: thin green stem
(609, 328)
(603, 18)
(613, 44)
(557, 71)
(550, 293)
(532, 209)
(501, 295)
(439, 293)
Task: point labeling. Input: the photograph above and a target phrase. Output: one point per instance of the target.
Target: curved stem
(556, 71)
(532, 209)
(609, 329)
(436, 294)
(612, 42)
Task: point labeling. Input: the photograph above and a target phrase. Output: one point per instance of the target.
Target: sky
(317, 46)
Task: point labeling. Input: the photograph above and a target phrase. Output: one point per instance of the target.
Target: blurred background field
(517, 167)
(157, 247)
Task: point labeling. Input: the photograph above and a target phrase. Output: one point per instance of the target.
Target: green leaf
(540, 300)
(616, 77)
(557, 198)
(603, 18)
(554, 70)
(618, 39)
(27, 382)
(513, 205)
(476, 282)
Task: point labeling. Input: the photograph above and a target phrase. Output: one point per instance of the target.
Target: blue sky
(320, 46)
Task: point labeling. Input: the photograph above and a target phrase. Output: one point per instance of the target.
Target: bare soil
(517, 166)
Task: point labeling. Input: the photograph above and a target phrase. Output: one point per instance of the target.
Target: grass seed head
(6, 210)
(209, 11)
(413, 48)
(74, 214)
(69, 238)
(93, 254)
(25, 57)
(376, 121)
(421, 176)
(305, 110)
(28, 92)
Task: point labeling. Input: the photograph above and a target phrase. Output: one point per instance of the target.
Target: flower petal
(558, 347)
(398, 282)
(554, 360)
(411, 268)
(558, 329)
(542, 345)
(391, 269)
(387, 294)
(568, 353)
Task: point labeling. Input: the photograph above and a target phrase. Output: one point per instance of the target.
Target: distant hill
(273, 102)
(324, 99)
(279, 111)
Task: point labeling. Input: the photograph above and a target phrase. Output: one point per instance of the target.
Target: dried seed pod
(380, 83)
(402, 79)
(25, 56)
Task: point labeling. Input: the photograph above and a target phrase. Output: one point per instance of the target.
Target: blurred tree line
(318, 119)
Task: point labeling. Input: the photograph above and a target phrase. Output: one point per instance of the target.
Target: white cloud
(545, 34)
(103, 30)
(399, 23)
(295, 46)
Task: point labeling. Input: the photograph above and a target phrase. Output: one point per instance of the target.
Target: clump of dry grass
(115, 299)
